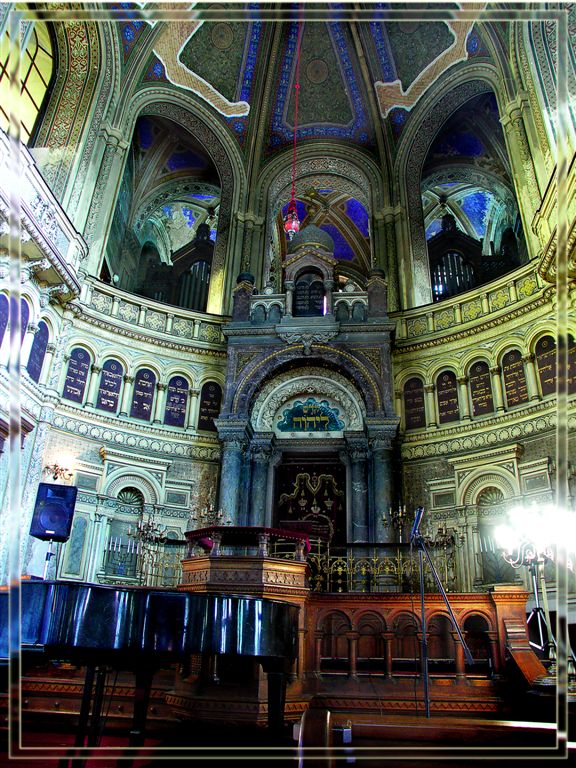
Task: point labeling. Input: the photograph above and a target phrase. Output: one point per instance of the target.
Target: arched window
(193, 287)
(452, 274)
(77, 375)
(545, 353)
(110, 386)
(514, 378)
(447, 395)
(176, 400)
(210, 401)
(143, 396)
(414, 409)
(38, 351)
(309, 295)
(36, 69)
(4, 311)
(481, 388)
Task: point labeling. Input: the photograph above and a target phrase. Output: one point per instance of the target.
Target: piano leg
(276, 672)
(85, 707)
(143, 684)
(94, 730)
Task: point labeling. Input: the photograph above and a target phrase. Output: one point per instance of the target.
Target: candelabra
(147, 536)
(211, 516)
(396, 518)
(58, 472)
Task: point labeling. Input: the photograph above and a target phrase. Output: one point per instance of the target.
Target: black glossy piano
(141, 629)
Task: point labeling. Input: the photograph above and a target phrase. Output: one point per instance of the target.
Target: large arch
(445, 98)
(165, 101)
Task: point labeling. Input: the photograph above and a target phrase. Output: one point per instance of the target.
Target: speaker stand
(49, 556)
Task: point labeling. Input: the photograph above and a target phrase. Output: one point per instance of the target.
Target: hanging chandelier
(291, 220)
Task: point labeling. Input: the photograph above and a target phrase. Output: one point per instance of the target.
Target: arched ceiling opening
(170, 188)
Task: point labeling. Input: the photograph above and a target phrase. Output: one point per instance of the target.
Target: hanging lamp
(291, 220)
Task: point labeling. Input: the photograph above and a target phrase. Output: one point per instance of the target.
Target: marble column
(289, 287)
(431, 420)
(47, 364)
(357, 455)
(497, 392)
(531, 382)
(95, 371)
(160, 404)
(126, 395)
(192, 408)
(26, 347)
(259, 485)
(382, 530)
(464, 398)
(230, 480)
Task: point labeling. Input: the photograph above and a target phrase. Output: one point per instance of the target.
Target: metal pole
(424, 638)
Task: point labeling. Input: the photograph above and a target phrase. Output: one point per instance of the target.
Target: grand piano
(141, 629)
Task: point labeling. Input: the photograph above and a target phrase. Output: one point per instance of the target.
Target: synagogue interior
(288, 381)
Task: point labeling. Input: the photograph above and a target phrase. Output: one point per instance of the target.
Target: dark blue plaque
(3, 316)
(571, 364)
(36, 359)
(77, 375)
(447, 395)
(143, 396)
(176, 399)
(110, 386)
(414, 408)
(24, 317)
(546, 363)
(210, 400)
(310, 416)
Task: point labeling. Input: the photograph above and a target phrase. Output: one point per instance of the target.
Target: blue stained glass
(433, 229)
(476, 206)
(167, 210)
(158, 69)
(198, 196)
(38, 351)
(359, 215)
(342, 248)
(212, 234)
(128, 33)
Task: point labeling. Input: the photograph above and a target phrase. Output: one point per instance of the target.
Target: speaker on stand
(53, 513)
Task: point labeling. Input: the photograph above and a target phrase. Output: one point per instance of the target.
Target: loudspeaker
(53, 512)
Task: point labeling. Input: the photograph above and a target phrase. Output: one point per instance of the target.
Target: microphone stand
(416, 539)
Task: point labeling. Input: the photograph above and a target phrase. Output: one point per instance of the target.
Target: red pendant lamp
(291, 220)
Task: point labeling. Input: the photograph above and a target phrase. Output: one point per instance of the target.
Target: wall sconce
(58, 472)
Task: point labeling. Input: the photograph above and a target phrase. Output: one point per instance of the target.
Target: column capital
(129, 379)
(96, 368)
(496, 370)
(161, 387)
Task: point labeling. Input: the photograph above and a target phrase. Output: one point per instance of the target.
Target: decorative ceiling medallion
(317, 71)
(222, 36)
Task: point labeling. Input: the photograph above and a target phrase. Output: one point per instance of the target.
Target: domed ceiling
(360, 75)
